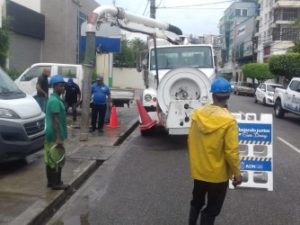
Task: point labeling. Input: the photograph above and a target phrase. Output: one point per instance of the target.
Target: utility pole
(152, 9)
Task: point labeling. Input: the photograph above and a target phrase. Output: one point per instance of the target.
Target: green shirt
(55, 105)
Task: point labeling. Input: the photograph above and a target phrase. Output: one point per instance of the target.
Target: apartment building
(237, 28)
(277, 29)
(45, 30)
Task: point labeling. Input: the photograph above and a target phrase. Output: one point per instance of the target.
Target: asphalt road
(147, 182)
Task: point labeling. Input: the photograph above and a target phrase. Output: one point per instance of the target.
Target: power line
(146, 8)
(196, 5)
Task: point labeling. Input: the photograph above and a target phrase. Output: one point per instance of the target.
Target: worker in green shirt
(56, 133)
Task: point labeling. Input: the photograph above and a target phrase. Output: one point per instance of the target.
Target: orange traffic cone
(113, 123)
(147, 122)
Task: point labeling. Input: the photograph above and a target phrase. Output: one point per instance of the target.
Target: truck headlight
(8, 114)
(270, 94)
(148, 97)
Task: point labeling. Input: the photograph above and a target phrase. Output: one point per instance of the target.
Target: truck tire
(264, 101)
(279, 111)
(255, 99)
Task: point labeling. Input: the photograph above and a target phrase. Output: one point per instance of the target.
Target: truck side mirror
(139, 62)
(142, 61)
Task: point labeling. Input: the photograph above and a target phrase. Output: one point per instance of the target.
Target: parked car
(22, 122)
(265, 93)
(288, 100)
(244, 88)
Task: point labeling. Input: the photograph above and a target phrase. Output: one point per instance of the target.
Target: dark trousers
(53, 176)
(98, 112)
(74, 109)
(215, 193)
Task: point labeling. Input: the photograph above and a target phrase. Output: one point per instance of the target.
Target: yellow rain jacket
(213, 145)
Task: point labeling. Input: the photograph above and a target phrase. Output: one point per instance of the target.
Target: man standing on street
(42, 89)
(56, 133)
(214, 154)
(72, 97)
(101, 96)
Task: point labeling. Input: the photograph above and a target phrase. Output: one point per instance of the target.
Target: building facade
(237, 28)
(45, 31)
(277, 29)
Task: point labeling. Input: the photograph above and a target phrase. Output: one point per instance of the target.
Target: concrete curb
(42, 210)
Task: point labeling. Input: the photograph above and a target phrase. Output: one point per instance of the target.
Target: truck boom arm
(134, 23)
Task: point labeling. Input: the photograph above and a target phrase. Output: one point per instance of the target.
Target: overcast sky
(195, 17)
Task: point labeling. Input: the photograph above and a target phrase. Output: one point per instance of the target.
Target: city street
(147, 182)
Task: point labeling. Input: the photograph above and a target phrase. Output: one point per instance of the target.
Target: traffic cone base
(113, 123)
(147, 122)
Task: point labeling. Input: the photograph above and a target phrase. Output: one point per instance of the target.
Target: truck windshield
(175, 57)
(7, 87)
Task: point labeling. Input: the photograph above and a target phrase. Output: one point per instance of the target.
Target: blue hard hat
(220, 86)
(56, 79)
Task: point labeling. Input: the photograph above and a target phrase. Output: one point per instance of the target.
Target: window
(295, 85)
(237, 12)
(241, 12)
(67, 71)
(34, 72)
(171, 58)
(6, 85)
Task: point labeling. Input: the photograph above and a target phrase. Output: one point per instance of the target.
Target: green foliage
(4, 43)
(295, 48)
(129, 52)
(287, 65)
(257, 71)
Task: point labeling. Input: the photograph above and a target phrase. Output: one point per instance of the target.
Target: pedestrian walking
(42, 88)
(72, 97)
(56, 133)
(214, 154)
(101, 99)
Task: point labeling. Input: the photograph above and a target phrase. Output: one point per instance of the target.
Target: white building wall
(31, 4)
(121, 77)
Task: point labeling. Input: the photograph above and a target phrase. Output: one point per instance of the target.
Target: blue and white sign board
(256, 150)
(108, 39)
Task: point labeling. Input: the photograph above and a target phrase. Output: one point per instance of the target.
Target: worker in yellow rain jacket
(214, 154)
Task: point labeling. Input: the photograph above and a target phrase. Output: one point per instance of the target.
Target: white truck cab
(22, 123)
(288, 100)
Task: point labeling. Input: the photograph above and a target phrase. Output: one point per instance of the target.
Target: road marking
(289, 144)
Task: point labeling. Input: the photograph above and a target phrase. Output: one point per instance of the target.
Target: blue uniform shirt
(100, 93)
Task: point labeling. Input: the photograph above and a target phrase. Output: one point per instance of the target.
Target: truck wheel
(279, 111)
(255, 99)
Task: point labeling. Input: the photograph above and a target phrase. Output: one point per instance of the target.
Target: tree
(295, 48)
(129, 52)
(258, 71)
(4, 43)
(286, 65)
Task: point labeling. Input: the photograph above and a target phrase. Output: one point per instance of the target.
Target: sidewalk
(24, 197)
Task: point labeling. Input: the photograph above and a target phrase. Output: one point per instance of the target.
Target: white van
(22, 123)
(28, 79)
